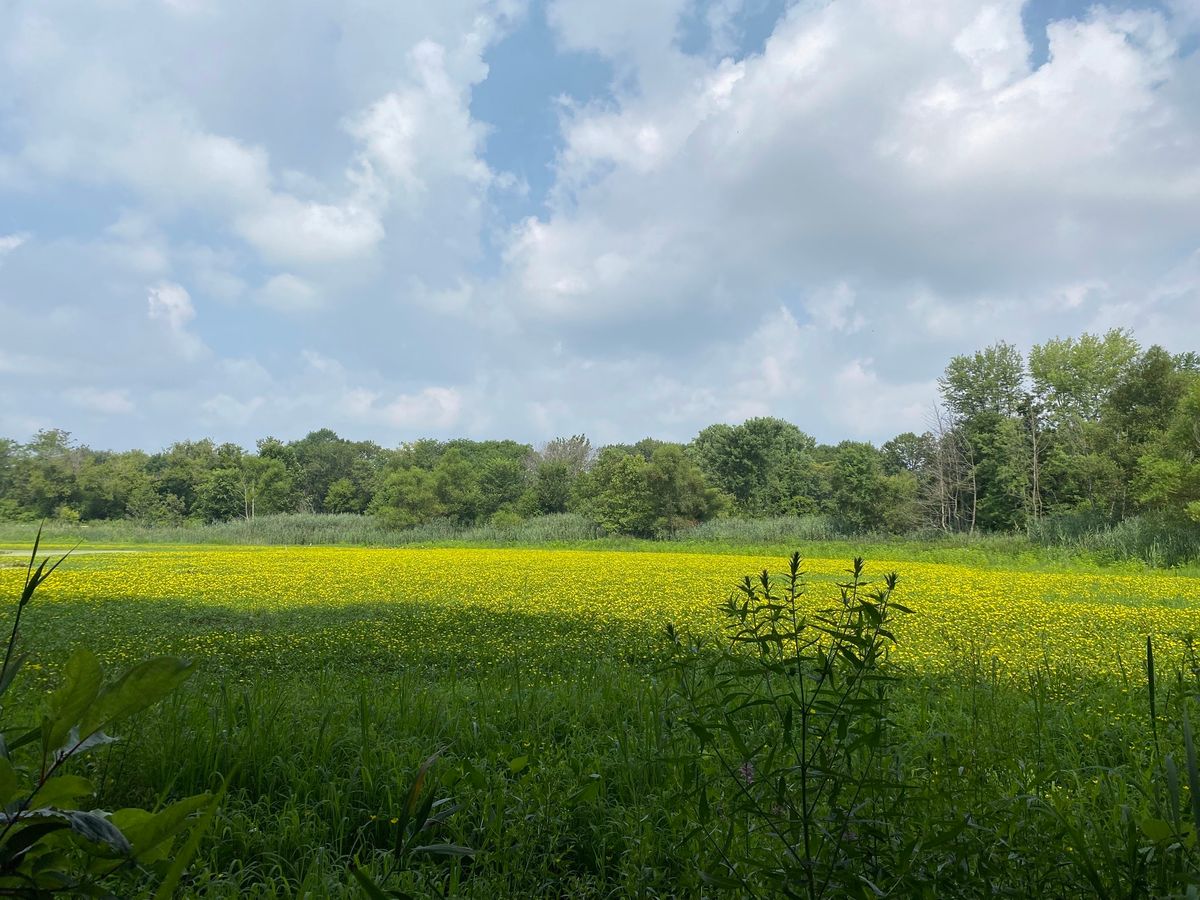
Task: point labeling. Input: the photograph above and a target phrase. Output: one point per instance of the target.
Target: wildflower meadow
(534, 722)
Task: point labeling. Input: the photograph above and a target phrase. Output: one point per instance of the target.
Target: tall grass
(310, 529)
(580, 780)
(1059, 542)
(1154, 539)
(580, 785)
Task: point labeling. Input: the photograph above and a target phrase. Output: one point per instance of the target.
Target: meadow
(1019, 717)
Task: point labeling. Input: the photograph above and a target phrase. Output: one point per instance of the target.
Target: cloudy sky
(524, 218)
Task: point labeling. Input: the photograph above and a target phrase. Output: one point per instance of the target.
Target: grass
(1081, 549)
(328, 675)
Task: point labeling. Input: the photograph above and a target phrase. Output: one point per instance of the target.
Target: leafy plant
(794, 787)
(412, 832)
(50, 841)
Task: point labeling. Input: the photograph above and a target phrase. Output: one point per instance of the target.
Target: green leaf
(63, 791)
(589, 793)
(444, 850)
(10, 671)
(156, 831)
(21, 839)
(68, 704)
(76, 747)
(1157, 830)
(370, 888)
(142, 686)
(518, 765)
(166, 890)
(27, 738)
(9, 785)
(96, 828)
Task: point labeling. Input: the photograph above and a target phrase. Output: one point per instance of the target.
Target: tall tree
(766, 465)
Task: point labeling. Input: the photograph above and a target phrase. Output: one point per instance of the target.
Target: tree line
(1094, 428)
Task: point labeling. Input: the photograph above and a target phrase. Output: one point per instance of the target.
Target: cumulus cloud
(288, 293)
(900, 172)
(431, 408)
(107, 402)
(899, 145)
(112, 107)
(225, 410)
(807, 227)
(171, 305)
(10, 242)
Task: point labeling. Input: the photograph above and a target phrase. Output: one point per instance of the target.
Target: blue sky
(503, 218)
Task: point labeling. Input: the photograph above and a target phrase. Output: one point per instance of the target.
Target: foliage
(50, 842)
(987, 381)
(793, 713)
(1092, 425)
(1018, 724)
(766, 465)
(409, 834)
(630, 493)
(1075, 376)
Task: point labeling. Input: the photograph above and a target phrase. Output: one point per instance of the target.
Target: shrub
(793, 785)
(50, 842)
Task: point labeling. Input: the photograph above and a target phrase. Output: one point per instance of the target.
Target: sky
(530, 218)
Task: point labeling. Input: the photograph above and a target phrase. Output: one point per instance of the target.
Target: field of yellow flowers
(326, 676)
(250, 609)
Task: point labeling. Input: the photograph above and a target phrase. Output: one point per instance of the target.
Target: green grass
(573, 781)
(317, 755)
(1124, 548)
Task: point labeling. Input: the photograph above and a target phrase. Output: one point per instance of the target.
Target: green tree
(1073, 377)
(267, 486)
(985, 395)
(220, 496)
(46, 473)
(321, 458)
(502, 481)
(343, 497)
(766, 465)
(680, 495)
(1168, 476)
(458, 490)
(858, 484)
(988, 381)
(407, 497)
(617, 493)
(908, 452)
(553, 483)
(181, 469)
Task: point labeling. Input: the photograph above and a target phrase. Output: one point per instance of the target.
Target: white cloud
(224, 409)
(422, 132)
(171, 304)
(288, 293)
(619, 28)
(870, 406)
(898, 170)
(287, 230)
(807, 231)
(431, 407)
(832, 308)
(113, 402)
(129, 102)
(10, 242)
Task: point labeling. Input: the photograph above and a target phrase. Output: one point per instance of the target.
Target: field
(327, 675)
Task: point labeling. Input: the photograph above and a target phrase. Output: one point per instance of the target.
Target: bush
(49, 841)
(1158, 539)
(794, 757)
